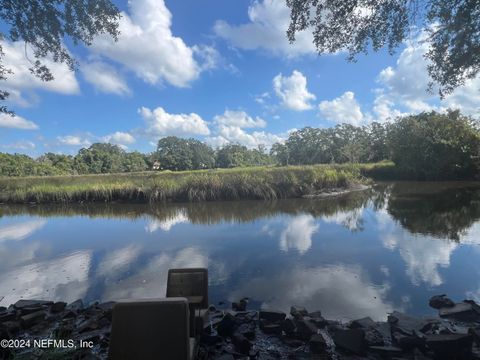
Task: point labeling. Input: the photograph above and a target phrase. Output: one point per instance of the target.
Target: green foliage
(435, 146)
(23, 165)
(452, 29)
(184, 154)
(235, 155)
(45, 25)
(341, 144)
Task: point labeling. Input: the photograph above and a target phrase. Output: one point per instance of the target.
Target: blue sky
(219, 71)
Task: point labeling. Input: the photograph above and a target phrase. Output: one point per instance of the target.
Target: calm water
(363, 254)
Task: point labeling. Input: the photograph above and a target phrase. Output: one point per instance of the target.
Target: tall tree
(45, 25)
(452, 27)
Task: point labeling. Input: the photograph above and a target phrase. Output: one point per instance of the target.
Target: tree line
(425, 146)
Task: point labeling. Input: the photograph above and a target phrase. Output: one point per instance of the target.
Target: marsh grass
(266, 183)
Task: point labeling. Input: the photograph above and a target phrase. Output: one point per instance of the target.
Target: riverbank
(257, 334)
(264, 183)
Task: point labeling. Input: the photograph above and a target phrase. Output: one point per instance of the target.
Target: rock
(247, 330)
(20, 304)
(352, 340)
(298, 312)
(225, 357)
(373, 337)
(475, 332)
(7, 316)
(13, 327)
(272, 316)
(241, 305)
(268, 328)
(288, 326)
(450, 346)
(410, 325)
(29, 320)
(364, 323)
(305, 329)
(388, 351)
(440, 301)
(210, 339)
(75, 306)
(107, 306)
(317, 344)
(58, 307)
(292, 342)
(409, 342)
(464, 311)
(227, 325)
(241, 343)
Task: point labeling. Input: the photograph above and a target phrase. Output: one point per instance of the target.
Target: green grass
(266, 183)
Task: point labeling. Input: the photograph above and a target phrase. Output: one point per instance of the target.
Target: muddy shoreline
(242, 333)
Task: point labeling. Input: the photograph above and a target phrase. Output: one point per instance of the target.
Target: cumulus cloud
(423, 255)
(166, 225)
(236, 135)
(239, 119)
(119, 138)
(405, 83)
(293, 92)
(105, 78)
(147, 46)
(20, 231)
(266, 29)
(73, 140)
(16, 122)
(352, 220)
(161, 123)
(22, 81)
(343, 109)
(65, 278)
(327, 288)
(298, 233)
(148, 281)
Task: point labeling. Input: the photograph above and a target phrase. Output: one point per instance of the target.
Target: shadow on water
(207, 213)
(443, 210)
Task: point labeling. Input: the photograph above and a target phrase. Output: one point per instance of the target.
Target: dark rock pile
(243, 334)
(27, 321)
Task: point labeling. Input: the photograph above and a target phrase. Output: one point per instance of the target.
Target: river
(365, 253)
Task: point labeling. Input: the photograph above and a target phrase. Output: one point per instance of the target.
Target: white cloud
(327, 288)
(20, 145)
(16, 122)
(239, 119)
(234, 134)
(65, 279)
(267, 30)
(73, 140)
(352, 220)
(119, 137)
(293, 92)
(146, 282)
(209, 57)
(22, 80)
(161, 123)
(343, 109)
(20, 231)
(104, 78)
(118, 261)
(166, 225)
(298, 233)
(423, 255)
(147, 46)
(406, 83)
